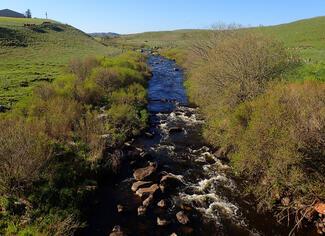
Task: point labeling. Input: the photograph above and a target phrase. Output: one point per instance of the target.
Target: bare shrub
(82, 68)
(59, 116)
(24, 152)
(107, 78)
(66, 226)
(90, 129)
(242, 62)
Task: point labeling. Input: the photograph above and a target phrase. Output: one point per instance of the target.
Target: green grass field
(38, 53)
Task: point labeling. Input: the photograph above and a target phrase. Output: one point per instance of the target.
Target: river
(205, 193)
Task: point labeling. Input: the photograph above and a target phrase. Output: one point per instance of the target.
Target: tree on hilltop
(28, 13)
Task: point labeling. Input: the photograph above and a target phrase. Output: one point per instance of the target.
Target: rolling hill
(306, 36)
(34, 50)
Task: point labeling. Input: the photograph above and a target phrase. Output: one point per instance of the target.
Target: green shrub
(134, 95)
(279, 139)
(125, 120)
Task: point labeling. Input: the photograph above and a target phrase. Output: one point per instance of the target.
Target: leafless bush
(24, 152)
(90, 129)
(240, 61)
(66, 227)
(82, 68)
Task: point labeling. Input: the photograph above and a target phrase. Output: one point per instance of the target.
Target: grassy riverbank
(60, 141)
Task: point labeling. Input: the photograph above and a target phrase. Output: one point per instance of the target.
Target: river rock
(162, 188)
(142, 210)
(182, 218)
(117, 231)
(221, 153)
(145, 172)
(285, 201)
(149, 135)
(171, 179)
(162, 203)
(120, 208)
(147, 202)
(147, 191)
(320, 208)
(136, 185)
(162, 221)
(185, 207)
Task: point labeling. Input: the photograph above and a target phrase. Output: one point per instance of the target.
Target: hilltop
(38, 50)
(11, 13)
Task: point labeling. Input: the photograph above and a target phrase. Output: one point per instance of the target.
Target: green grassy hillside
(305, 36)
(38, 52)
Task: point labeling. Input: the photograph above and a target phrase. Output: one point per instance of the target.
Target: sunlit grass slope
(38, 52)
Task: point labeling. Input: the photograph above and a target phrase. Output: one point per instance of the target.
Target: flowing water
(207, 192)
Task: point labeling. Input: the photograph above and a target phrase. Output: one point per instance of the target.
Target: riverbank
(261, 122)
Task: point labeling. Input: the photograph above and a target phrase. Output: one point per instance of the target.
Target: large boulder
(182, 218)
(142, 173)
(147, 191)
(136, 185)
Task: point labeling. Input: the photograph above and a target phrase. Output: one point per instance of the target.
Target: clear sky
(130, 16)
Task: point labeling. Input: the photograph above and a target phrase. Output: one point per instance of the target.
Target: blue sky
(130, 16)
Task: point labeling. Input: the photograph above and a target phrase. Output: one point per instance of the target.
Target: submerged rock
(145, 172)
(120, 208)
(142, 210)
(162, 221)
(136, 185)
(162, 203)
(175, 130)
(182, 218)
(147, 191)
(149, 135)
